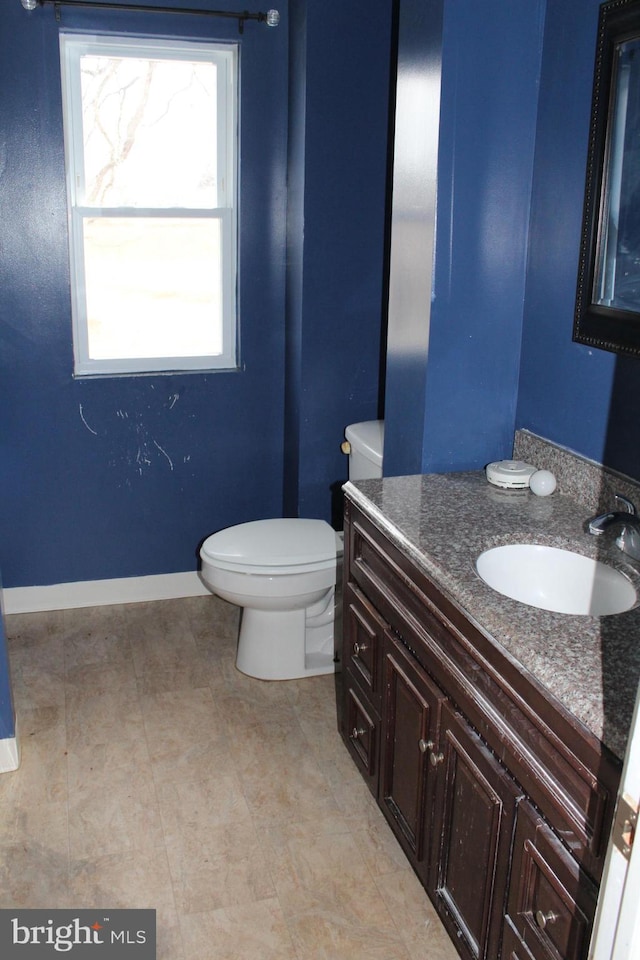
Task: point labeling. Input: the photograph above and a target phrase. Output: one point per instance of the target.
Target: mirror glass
(608, 299)
(618, 267)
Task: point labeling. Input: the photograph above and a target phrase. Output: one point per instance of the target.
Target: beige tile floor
(154, 774)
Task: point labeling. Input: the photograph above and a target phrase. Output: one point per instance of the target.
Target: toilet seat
(274, 547)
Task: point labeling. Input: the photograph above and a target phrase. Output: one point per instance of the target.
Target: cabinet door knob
(436, 758)
(358, 732)
(542, 918)
(359, 648)
(426, 745)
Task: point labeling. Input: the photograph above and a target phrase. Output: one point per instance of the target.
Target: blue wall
(567, 389)
(120, 477)
(339, 133)
(516, 97)
(489, 98)
(491, 65)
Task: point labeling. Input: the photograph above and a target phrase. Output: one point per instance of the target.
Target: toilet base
(285, 645)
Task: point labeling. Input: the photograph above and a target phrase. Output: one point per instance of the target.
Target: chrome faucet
(626, 519)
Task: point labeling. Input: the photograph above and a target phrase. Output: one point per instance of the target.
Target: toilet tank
(366, 441)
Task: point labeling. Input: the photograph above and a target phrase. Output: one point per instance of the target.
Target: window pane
(150, 132)
(153, 287)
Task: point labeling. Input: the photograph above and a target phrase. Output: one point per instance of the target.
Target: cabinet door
(410, 731)
(475, 806)
(551, 901)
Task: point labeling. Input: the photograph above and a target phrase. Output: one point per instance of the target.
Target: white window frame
(72, 47)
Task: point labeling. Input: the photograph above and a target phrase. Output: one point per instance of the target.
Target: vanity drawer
(551, 902)
(364, 632)
(512, 946)
(362, 733)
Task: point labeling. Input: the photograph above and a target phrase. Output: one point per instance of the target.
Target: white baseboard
(96, 593)
(9, 753)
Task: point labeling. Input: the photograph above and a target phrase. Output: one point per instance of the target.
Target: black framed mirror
(608, 296)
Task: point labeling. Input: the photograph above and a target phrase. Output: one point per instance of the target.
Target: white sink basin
(557, 580)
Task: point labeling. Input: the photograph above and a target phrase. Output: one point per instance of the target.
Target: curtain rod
(271, 17)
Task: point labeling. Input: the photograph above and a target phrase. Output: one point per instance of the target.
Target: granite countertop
(590, 665)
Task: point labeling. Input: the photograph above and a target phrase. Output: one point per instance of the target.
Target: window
(151, 144)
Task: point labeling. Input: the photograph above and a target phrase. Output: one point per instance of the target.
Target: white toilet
(282, 572)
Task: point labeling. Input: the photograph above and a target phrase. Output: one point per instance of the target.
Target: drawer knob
(358, 732)
(542, 918)
(359, 648)
(426, 745)
(436, 758)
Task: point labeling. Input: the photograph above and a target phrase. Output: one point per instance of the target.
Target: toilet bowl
(282, 572)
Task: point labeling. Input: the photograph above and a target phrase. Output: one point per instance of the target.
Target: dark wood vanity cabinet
(501, 802)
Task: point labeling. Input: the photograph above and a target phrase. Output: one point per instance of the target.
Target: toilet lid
(279, 542)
